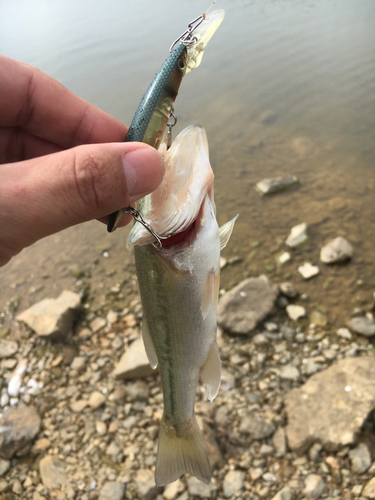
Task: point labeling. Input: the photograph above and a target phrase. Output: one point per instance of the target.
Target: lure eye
(181, 64)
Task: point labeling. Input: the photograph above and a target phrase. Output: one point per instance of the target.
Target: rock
(279, 442)
(199, 489)
(112, 491)
(52, 318)
(297, 236)
(344, 333)
(318, 318)
(96, 400)
(78, 363)
(295, 312)
(52, 472)
(307, 271)
(7, 348)
(360, 458)
(97, 324)
(332, 405)
(145, 482)
(337, 250)
(4, 466)
(276, 184)
(17, 487)
(363, 326)
(233, 482)
(289, 372)
(241, 309)
(18, 427)
(256, 427)
(173, 489)
(40, 445)
(101, 428)
(284, 258)
(369, 489)
(314, 486)
(134, 362)
(288, 290)
(79, 405)
(15, 380)
(309, 367)
(285, 494)
(118, 395)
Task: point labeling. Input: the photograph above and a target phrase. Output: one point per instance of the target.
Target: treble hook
(138, 217)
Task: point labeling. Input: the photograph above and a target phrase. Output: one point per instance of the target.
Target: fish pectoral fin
(210, 293)
(149, 345)
(210, 372)
(180, 452)
(225, 232)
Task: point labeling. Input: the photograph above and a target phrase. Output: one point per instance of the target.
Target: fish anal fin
(149, 345)
(225, 232)
(210, 372)
(211, 292)
(180, 452)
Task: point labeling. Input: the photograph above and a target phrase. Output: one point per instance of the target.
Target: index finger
(35, 102)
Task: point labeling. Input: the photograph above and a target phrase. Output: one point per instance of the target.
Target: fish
(156, 107)
(179, 288)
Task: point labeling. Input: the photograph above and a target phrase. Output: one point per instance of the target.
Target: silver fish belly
(179, 290)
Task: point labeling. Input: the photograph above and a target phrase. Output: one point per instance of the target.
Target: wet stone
(241, 309)
(112, 491)
(363, 326)
(337, 250)
(297, 236)
(19, 426)
(276, 184)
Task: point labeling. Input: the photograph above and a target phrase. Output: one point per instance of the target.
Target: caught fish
(156, 107)
(179, 287)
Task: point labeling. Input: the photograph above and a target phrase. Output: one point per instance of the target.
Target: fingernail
(144, 170)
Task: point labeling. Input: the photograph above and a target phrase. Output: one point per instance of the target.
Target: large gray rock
(18, 428)
(332, 405)
(134, 362)
(337, 250)
(276, 184)
(7, 348)
(363, 326)
(52, 318)
(241, 309)
(52, 472)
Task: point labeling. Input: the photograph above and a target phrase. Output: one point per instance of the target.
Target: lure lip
(202, 35)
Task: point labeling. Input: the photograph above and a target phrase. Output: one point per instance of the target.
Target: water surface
(285, 87)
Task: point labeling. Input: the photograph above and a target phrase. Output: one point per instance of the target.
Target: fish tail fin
(180, 452)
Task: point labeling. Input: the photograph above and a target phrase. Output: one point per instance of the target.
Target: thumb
(41, 196)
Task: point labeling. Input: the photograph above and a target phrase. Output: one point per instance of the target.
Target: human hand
(62, 160)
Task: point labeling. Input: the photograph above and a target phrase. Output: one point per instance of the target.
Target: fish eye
(181, 64)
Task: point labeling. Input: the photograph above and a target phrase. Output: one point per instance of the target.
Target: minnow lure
(156, 107)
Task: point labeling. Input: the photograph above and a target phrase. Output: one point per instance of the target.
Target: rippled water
(285, 87)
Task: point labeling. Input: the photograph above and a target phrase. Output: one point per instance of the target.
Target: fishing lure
(156, 107)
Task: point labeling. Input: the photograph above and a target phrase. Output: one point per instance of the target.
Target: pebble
(308, 271)
(199, 489)
(256, 426)
(284, 258)
(96, 400)
(173, 489)
(295, 312)
(314, 486)
(337, 250)
(8, 348)
(344, 333)
(15, 382)
(134, 362)
(78, 363)
(233, 483)
(369, 489)
(288, 290)
(284, 494)
(112, 491)
(4, 466)
(101, 428)
(360, 458)
(144, 479)
(97, 324)
(40, 445)
(297, 236)
(276, 184)
(289, 372)
(18, 427)
(4, 401)
(363, 326)
(17, 487)
(279, 442)
(52, 472)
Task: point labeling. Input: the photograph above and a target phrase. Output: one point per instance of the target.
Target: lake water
(285, 87)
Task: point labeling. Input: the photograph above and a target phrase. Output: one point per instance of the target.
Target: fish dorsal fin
(210, 372)
(225, 232)
(149, 345)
